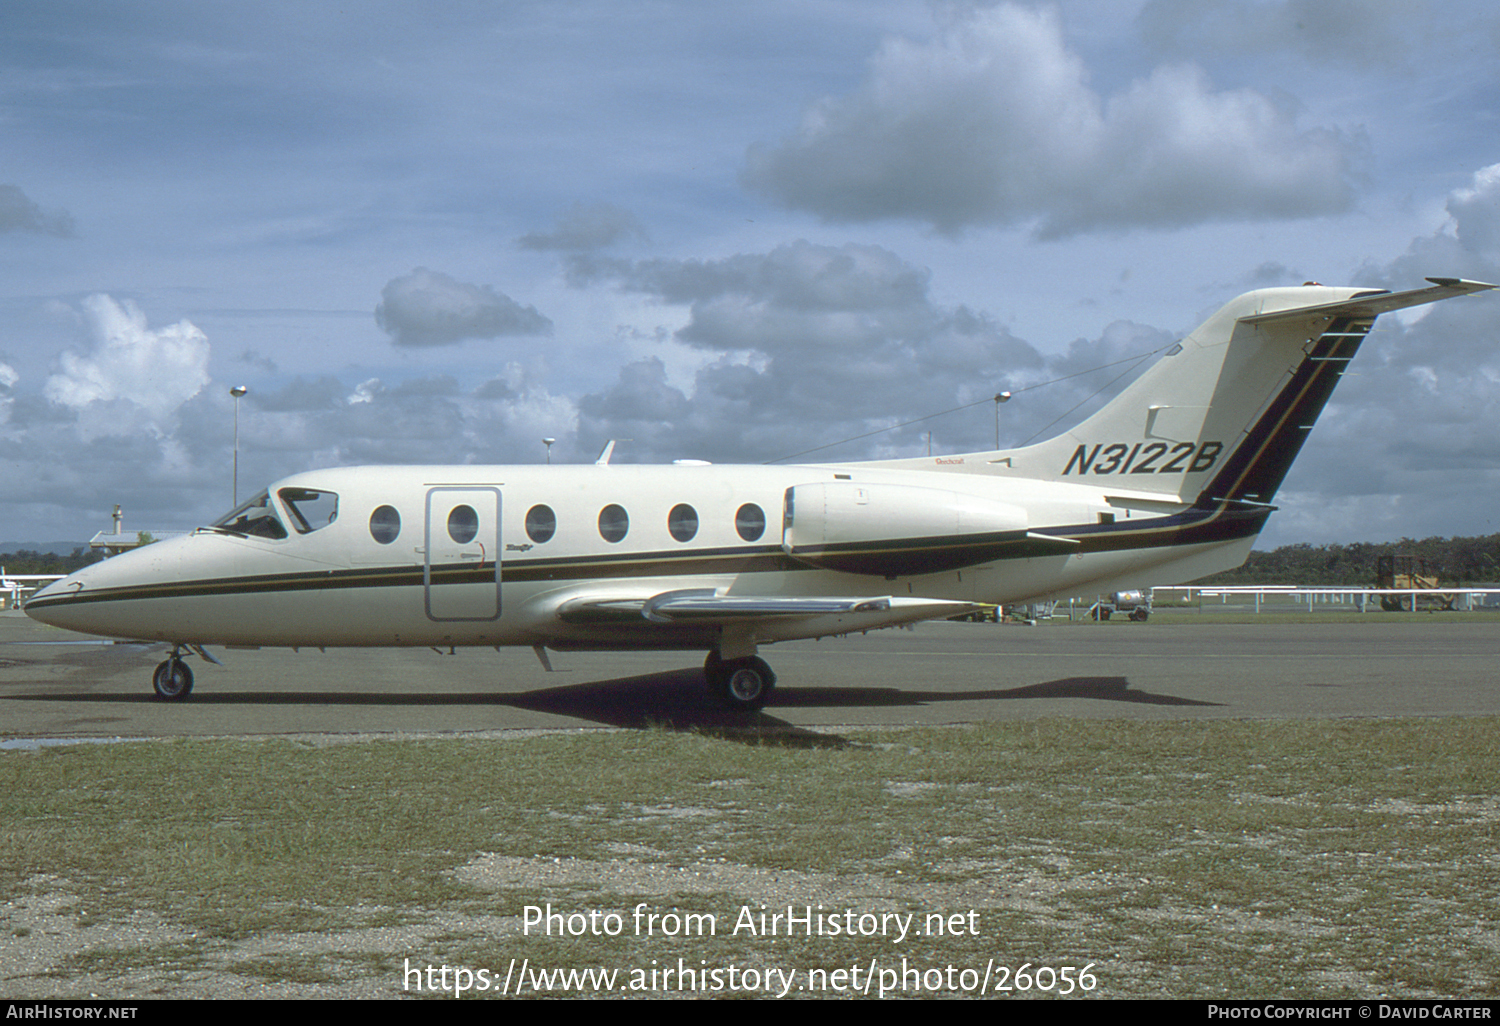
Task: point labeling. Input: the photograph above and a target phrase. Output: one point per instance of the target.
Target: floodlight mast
(1000, 397)
(238, 391)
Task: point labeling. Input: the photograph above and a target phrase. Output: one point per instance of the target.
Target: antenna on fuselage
(609, 450)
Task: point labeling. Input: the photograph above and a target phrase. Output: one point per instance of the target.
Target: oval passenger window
(682, 522)
(541, 523)
(463, 524)
(385, 524)
(613, 522)
(750, 521)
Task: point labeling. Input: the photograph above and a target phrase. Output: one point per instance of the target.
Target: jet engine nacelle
(892, 529)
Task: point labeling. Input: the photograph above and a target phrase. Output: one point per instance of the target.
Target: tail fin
(1222, 415)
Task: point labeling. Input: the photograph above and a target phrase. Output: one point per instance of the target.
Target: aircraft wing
(1376, 302)
(705, 607)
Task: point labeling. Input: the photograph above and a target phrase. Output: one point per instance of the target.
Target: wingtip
(1462, 283)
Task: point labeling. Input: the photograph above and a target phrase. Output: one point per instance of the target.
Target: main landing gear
(173, 680)
(742, 684)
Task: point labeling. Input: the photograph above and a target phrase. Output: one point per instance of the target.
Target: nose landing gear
(173, 680)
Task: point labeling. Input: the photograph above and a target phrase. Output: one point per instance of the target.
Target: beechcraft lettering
(729, 560)
(1144, 458)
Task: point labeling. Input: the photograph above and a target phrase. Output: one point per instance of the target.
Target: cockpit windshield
(255, 518)
(310, 509)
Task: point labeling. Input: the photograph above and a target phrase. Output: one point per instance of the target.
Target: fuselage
(465, 555)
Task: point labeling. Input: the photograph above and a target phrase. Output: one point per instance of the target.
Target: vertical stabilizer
(1223, 413)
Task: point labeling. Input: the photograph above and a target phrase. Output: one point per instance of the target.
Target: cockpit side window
(252, 519)
(310, 509)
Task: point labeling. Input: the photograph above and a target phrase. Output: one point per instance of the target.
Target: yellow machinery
(1404, 571)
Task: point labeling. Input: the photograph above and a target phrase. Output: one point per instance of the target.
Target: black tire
(1139, 614)
(742, 684)
(172, 680)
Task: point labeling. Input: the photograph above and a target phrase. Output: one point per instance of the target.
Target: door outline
(487, 539)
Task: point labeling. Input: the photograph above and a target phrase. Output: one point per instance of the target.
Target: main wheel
(741, 684)
(172, 680)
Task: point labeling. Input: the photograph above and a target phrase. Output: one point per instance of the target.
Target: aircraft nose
(43, 605)
(128, 596)
(56, 604)
(96, 599)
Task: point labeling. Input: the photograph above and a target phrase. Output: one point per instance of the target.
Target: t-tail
(1220, 417)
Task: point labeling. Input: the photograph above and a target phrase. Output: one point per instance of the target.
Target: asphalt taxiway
(56, 684)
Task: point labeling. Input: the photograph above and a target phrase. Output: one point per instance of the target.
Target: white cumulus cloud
(134, 377)
(994, 122)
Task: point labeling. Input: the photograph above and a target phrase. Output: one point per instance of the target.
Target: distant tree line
(28, 561)
(1455, 561)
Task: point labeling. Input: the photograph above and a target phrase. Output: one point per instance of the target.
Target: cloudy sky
(736, 232)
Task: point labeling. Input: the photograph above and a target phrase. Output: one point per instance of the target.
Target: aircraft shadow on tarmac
(676, 700)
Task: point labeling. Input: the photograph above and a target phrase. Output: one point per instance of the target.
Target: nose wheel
(172, 680)
(742, 684)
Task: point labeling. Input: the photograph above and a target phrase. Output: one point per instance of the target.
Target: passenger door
(461, 565)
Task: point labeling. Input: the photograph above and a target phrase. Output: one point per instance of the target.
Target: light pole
(238, 391)
(1000, 397)
(548, 443)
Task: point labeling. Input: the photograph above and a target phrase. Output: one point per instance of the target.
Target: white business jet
(1170, 481)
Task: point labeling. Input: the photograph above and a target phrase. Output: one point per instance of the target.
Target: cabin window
(463, 524)
(750, 521)
(613, 522)
(253, 519)
(310, 509)
(541, 523)
(385, 524)
(682, 522)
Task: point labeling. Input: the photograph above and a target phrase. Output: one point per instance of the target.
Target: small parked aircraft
(1170, 481)
(15, 586)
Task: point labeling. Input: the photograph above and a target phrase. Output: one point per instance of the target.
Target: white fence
(1281, 596)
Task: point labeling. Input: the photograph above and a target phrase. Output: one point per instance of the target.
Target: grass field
(1207, 859)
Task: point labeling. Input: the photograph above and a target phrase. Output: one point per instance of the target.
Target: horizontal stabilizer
(1370, 305)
